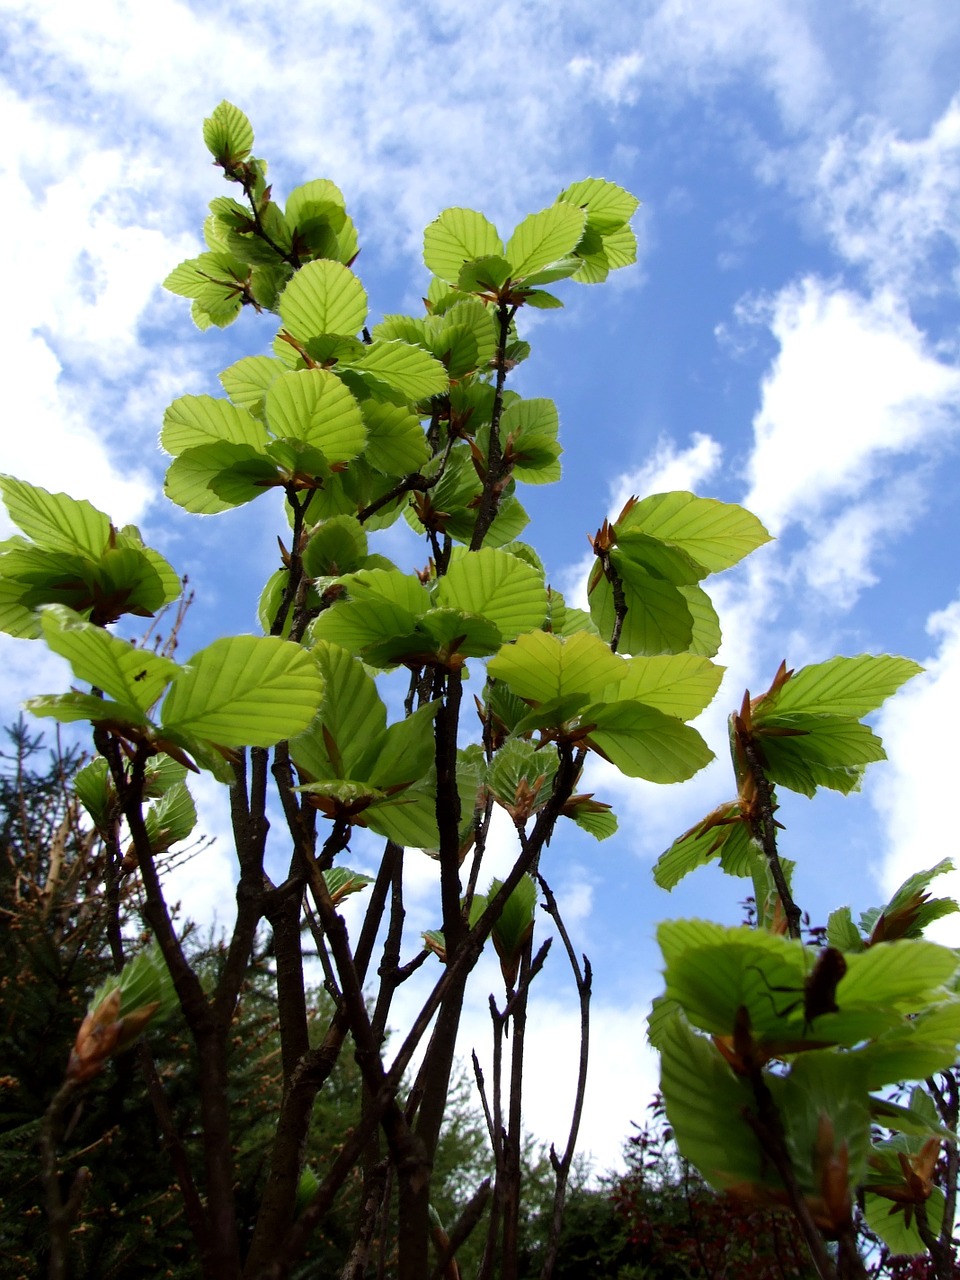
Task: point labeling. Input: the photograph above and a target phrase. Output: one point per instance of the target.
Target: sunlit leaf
(313, 406)
(192, 421)
(323, 297)
(717, 534)
(540, 666)
(457, 236)
(127, 674)
(228, 134)
(244, 691)
(543, 238)
(508, 592)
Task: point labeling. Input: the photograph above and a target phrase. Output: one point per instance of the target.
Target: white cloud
(913, 792)
(853, 387)
(891, 205)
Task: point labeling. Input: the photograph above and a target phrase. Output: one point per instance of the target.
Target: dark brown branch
(764, 829)
(562, 1164)
(497, 471)
(620, 608)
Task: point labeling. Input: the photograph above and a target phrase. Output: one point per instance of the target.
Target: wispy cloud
(853, 388)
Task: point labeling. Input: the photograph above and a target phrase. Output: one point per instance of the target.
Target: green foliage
(413, 421)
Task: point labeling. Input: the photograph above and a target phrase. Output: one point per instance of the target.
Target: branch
(496, 470)
(584, 979)
(764, 830)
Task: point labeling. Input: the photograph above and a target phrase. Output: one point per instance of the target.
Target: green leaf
(645, 743)
(658, 618)
(341, 882)
(216, 477)
(484, 275)
(543, 238)
(127, 674)
(888, 1221)
(404, 753)
(92, 787)
(540, 666)
(192, 421)
(529, 430)
(898, 974)
(350, 716)
(336, 546)
(680, 684)
(915, 1048)
(705, 640)
(607, 206)
(56, 521)
(508, 592)
(171, 818)
(600, 823)
(396, 445)
(519, 771)
(542, 300)
(228, 135)
(658, 558)
(514, 925)
(832, 752)
(244, 691)
(215, 281)
(246, 382)
(403, 368)
(323, 297)
(313, 406)
(455, 237)
(716, 534)
(705, 1105)
(68, 707)
(716, 836)
(842, 933)
(841, 687)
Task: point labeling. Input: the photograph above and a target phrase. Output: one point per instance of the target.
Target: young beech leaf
(540, 666)
(323, 297)
(314, 407)
(244, 691)
(192, 421)
(228, 135)
(716, 534)
(608, 207)
(455, 237)
(544, 238)
(498, 586)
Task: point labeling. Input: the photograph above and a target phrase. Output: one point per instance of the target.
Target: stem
(764, 829)
(496, 469)
(562, 1165)
(619, 599)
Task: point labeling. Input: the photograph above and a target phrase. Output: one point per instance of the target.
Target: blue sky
(788, 339)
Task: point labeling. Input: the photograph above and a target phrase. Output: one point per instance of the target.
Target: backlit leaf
(313, 406)
(127, 674)
(544, 238)
(323, 297)
(502, 588)
(717, 534)
(455, 237)
(198, 420)
(244, 691)
(228, 134)
(540, 666)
